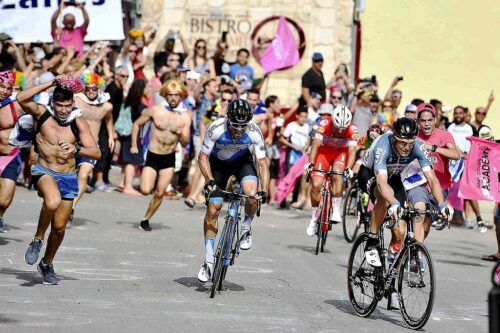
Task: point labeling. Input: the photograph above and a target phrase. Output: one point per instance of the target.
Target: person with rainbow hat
(10, 157)
(95, 108)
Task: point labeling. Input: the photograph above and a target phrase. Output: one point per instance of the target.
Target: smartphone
(224, 36)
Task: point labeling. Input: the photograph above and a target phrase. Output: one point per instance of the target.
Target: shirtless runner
(94, 109)
(168, 128)
(10, 157)
(59, 136)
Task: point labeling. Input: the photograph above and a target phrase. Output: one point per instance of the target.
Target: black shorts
(367, 184)
(274, 168)
(104, 148)
(160, 161)
(242, 168)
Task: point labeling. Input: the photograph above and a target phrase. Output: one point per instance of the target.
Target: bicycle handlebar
(326, 173)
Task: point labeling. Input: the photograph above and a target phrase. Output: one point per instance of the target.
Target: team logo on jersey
(324, 122)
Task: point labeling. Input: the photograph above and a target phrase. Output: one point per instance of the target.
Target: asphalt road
(116, 278)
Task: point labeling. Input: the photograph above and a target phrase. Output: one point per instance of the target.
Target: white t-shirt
(460, 134)
(298, 135)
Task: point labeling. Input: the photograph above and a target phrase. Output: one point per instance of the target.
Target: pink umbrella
(287, 184)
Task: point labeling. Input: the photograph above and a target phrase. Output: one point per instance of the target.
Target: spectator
(340, 84)
(461, 130)
(393, 94)
(126, 59)
(68, 35)
(312, 108)
(313, 81)
(199, 61)
(386, 116)
(481, 113)
(411, 111)
(166, 46)
(241, 71)
(336, 98)
(10, 55)
(363, 115)
(137, 100)
(273, 106)
(374, 106)
(221, 66)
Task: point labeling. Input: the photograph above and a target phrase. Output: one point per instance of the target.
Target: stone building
(327, 26)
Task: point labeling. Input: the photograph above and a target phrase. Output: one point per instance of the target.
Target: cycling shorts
(329, 157)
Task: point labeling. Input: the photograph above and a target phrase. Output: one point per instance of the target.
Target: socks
(209, 249)
(247, 222)
(314, 211)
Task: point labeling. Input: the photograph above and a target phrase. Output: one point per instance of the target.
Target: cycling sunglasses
(239, 127)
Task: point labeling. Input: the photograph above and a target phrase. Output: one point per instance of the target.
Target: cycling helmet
(239, 113)
(342, 116)
(405, 128)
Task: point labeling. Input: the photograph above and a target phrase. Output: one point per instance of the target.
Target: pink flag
(283, 51)
(480, 180)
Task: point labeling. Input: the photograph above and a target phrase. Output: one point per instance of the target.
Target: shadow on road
(135, 225)
(7, 240)
(305, 248)
(192, 282)
(5, 320)
(31, 278)
(346, 307)
(80, 221)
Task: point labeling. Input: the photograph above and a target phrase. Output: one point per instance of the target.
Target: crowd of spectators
(212, 81)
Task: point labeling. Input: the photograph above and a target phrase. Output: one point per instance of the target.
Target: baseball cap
(4, 37)
(426, 107)
(410, 108)
(485, 133)
(193, 75)
(317, 56)
(326, 108)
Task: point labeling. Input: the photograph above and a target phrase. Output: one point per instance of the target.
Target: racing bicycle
(355, 212)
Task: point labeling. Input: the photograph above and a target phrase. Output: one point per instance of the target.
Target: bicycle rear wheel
(362, 279)
(217, 276)
(323, 217)
(416, 285)
(350, 214)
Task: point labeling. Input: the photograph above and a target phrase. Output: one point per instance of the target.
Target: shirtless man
(10, 157)
(94, 108)
(168, 127)
(58, 138)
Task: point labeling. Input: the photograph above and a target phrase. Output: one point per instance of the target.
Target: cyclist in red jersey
(334, 144)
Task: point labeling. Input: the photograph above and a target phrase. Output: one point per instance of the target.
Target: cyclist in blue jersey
(228, 149)
(388, 159)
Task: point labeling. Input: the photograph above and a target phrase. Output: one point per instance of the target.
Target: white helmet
(342, 116)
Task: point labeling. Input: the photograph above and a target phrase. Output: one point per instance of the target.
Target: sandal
(190, 202)
(491, 257)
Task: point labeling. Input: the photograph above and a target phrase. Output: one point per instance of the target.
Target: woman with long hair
(139, 98)
(199, 61)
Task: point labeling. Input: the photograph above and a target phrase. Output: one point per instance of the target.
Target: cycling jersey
(383, 158)
(220, 143)
(332, 139)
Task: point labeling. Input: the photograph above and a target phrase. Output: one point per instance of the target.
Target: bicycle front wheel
(217, 275)
(350, 214)
(362, 279)
(416, 285)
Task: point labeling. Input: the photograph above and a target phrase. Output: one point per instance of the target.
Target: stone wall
(327, 25)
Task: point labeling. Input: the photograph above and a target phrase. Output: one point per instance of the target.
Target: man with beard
(59, 136)
(10, 157)
(94, 109)
(168, 127)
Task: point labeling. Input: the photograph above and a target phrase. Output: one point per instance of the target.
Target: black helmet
(239, 113)
(405, 128)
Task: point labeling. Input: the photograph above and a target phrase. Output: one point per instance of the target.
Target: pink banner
(283, 51)
(480, 180)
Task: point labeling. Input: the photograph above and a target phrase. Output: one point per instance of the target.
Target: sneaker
(101, 186)
(311, 228)
(481, 227)
(144, 226)
(439, 225)
(47, 271)
(205, 272)
(31, 255)
(2, 225)
(469, 224)
(246, 239)
(394, 301)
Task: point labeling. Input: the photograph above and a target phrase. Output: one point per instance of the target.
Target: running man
(59, 136)
(168, 128)
(334, 145)
(10, 157)
(95, 107)
(228, 149)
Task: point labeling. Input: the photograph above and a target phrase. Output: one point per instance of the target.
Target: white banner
(29, 20)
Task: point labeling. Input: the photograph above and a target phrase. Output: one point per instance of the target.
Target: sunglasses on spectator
(202, 47)
(132, 51)
(94, 89)
(226, 99)
(337, 97)
(124, 76)
(387, 106)
(481, 113)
